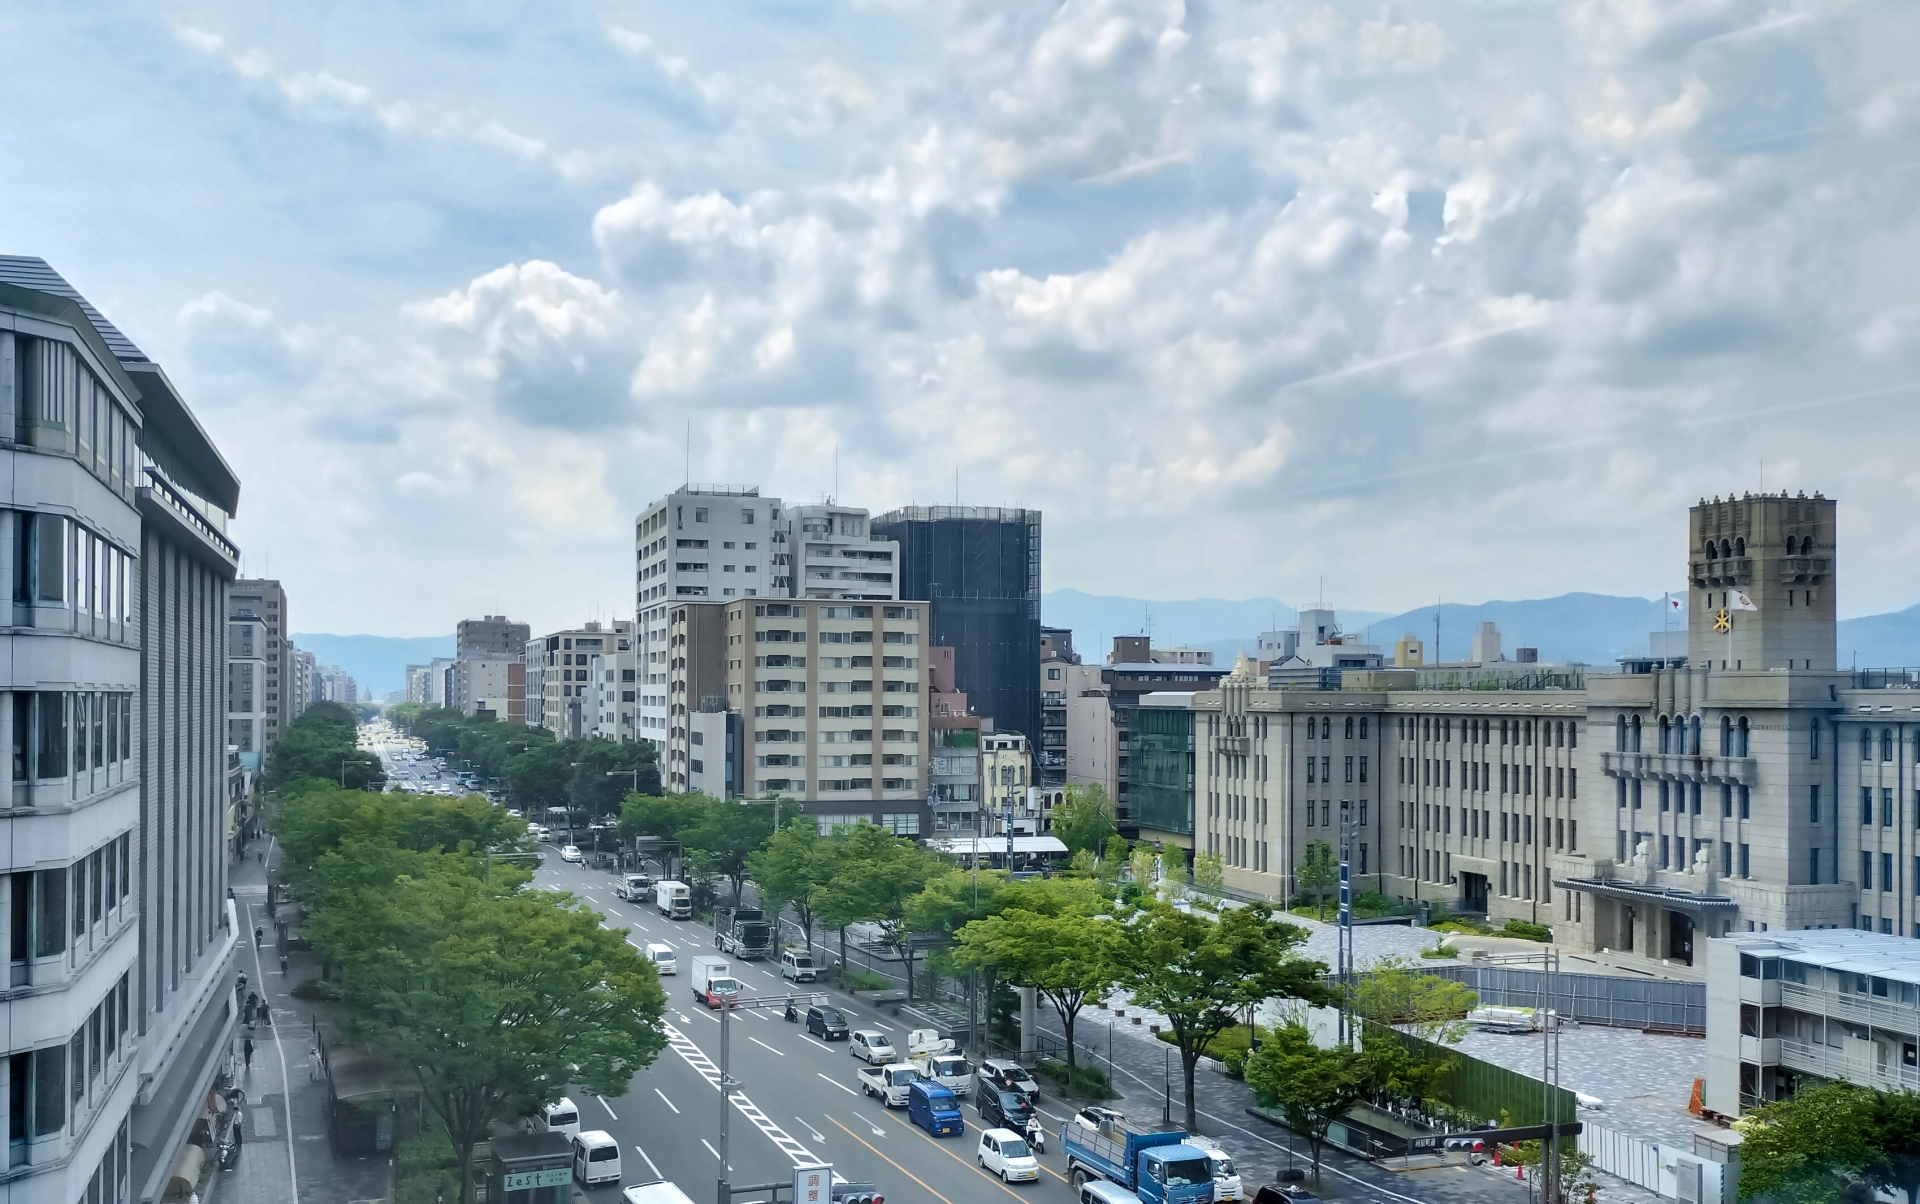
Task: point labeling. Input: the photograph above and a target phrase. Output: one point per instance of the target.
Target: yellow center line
(980, 1170)
(890, 1162)
(1043, 1166)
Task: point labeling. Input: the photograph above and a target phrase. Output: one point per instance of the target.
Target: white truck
(889, 1082)
(934, 1057)
(712, 979)
(634, 888)
(673, 900)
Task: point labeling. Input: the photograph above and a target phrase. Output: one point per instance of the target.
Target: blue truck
(1160, 1168)
(934, 1108)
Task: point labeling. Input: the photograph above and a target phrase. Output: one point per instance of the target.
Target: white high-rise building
(836, 556)
(704, 542)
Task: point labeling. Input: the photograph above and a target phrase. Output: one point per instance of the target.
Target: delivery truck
(1159, 1167)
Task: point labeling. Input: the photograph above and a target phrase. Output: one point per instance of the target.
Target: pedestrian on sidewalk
(259, 936)
(246, 1052)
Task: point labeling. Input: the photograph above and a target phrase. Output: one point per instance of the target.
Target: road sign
(813, 1185)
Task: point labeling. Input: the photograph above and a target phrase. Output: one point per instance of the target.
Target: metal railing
(190, 514)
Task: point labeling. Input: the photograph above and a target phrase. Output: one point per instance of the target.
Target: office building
(825, 703)
(121, 1012)
(615, 690)
(1009, 796)
(266, 600)
(246, 686)
(1734, 782)
(978, 567)
(418, 688)
(493, 635)
(1050, 755)
(835, 554)
(333, 684)
(700, 542)
(492, 685)
(560, 691)
(955, 787)
(305, 680)
(1791, 1008)
(1160, 768)
(1131, 674)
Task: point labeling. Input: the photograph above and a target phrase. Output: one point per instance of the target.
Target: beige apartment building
(821, 702)
(1731, 780)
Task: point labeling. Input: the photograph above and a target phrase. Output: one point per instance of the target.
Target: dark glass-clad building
(979, 569)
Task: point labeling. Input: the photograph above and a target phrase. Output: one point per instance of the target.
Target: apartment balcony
(1053, 698)
(1681, 767)
(1830, 1063)
(1238, 746)
(1879, 1014)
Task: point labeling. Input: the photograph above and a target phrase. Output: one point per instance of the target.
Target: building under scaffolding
(979, 569)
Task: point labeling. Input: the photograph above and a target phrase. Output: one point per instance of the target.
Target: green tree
(1209, 874)
(1897, 1116)
(1429, 1010)
(667, 816)
(1084, 819)
(1113, 860)
(1312, 1087)
(788, 868)
(1804, 1149)
(1202, 974)
(1067, 958)
(496, 1002)
(1577, 1179)
(729, 832)
(322, 744)
(538, 777)
(1317, 872)
(606, 771)
(874, 874)
(1142, 865)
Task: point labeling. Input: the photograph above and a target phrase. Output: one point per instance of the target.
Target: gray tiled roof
(28, 271)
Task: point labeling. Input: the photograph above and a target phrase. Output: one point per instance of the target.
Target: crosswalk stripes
(704, 1066)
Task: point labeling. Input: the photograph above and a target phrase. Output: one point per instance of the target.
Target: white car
(1005, 1153)
(570, 852)
(870, 1046)
(663, 959)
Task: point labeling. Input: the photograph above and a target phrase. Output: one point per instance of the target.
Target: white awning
(997, 845)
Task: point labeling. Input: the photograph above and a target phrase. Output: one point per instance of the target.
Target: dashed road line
(650, 1165)
(765, 1046)
(842, 1086)
(665, 1100)
(704, 1066)
(607, 1106)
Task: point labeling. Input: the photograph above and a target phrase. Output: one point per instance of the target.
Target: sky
(1444, 298)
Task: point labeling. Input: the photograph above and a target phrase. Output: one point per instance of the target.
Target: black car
(826, 1024)
(1288, 1194)
(1005, 1109)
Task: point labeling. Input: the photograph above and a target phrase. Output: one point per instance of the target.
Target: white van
(560, 1116)
(596, 1157)
(660, 1191)
(663, 959)
(797, 965)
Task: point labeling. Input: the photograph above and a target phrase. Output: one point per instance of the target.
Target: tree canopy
(1828, 1140)
(322, 743)
(1084, 819)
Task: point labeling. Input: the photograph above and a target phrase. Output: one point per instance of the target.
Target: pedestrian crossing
(704, 1066)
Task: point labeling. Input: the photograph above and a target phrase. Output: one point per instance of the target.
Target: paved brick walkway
(285, 1157)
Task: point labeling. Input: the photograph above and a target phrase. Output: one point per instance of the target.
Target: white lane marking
(710, 1149)
(704, 1066)
(888, 1027)
(650, 1166)
(764, 1045)
(1051, 1116)
(709, 1016)
(665, 1100)
(817, 1134)
(590, 899)
(817, 1041)
(842, 1086)
(607, 1106)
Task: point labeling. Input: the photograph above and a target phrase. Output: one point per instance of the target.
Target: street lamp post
(728, 1004)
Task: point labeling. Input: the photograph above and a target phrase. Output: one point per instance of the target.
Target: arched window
(1726, 549)
(1886, 744)
(1326, 727)
(1713, 550)
(1740, 546)
(1363, 727)
(1620, 733)
(1666, 735)
(1740, 746)
(1866, 746)
(1693, 736)
(1634, 733)
(1349, 727)
(1726, 736)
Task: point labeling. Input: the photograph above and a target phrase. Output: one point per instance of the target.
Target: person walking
(246, 1053)
(259, 936)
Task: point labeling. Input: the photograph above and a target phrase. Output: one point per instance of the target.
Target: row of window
(61, 393)
(49, 1087)
(1555, 733)
(1556, 781)
(1517, 828)
(57, 732)
(57, 561)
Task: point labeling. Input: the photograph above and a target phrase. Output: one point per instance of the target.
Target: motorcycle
(792, 1013)
(1036, 1136)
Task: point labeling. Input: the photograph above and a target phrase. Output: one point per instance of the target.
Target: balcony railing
(1680, 767)
(1830, 1063)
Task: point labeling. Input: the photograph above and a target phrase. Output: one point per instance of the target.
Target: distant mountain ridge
(1595, 629)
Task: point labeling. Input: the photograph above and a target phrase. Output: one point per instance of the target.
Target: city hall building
(1732, 780)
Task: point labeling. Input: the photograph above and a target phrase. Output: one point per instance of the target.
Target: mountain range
(1594, 629)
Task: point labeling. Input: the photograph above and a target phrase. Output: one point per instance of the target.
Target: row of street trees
(588, 777)
(493, 995)
(322, 743)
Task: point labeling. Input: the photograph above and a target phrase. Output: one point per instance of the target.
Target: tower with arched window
(1778, 551)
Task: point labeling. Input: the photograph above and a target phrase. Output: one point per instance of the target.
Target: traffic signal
(857, 1193)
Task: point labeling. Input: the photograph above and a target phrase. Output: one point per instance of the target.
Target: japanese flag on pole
(1674, 603)
(1740, 601)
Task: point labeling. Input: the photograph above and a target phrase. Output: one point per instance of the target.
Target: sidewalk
(285, 1157)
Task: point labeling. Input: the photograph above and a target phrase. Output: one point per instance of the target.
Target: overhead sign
(813, 1185)
(558, 1176)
